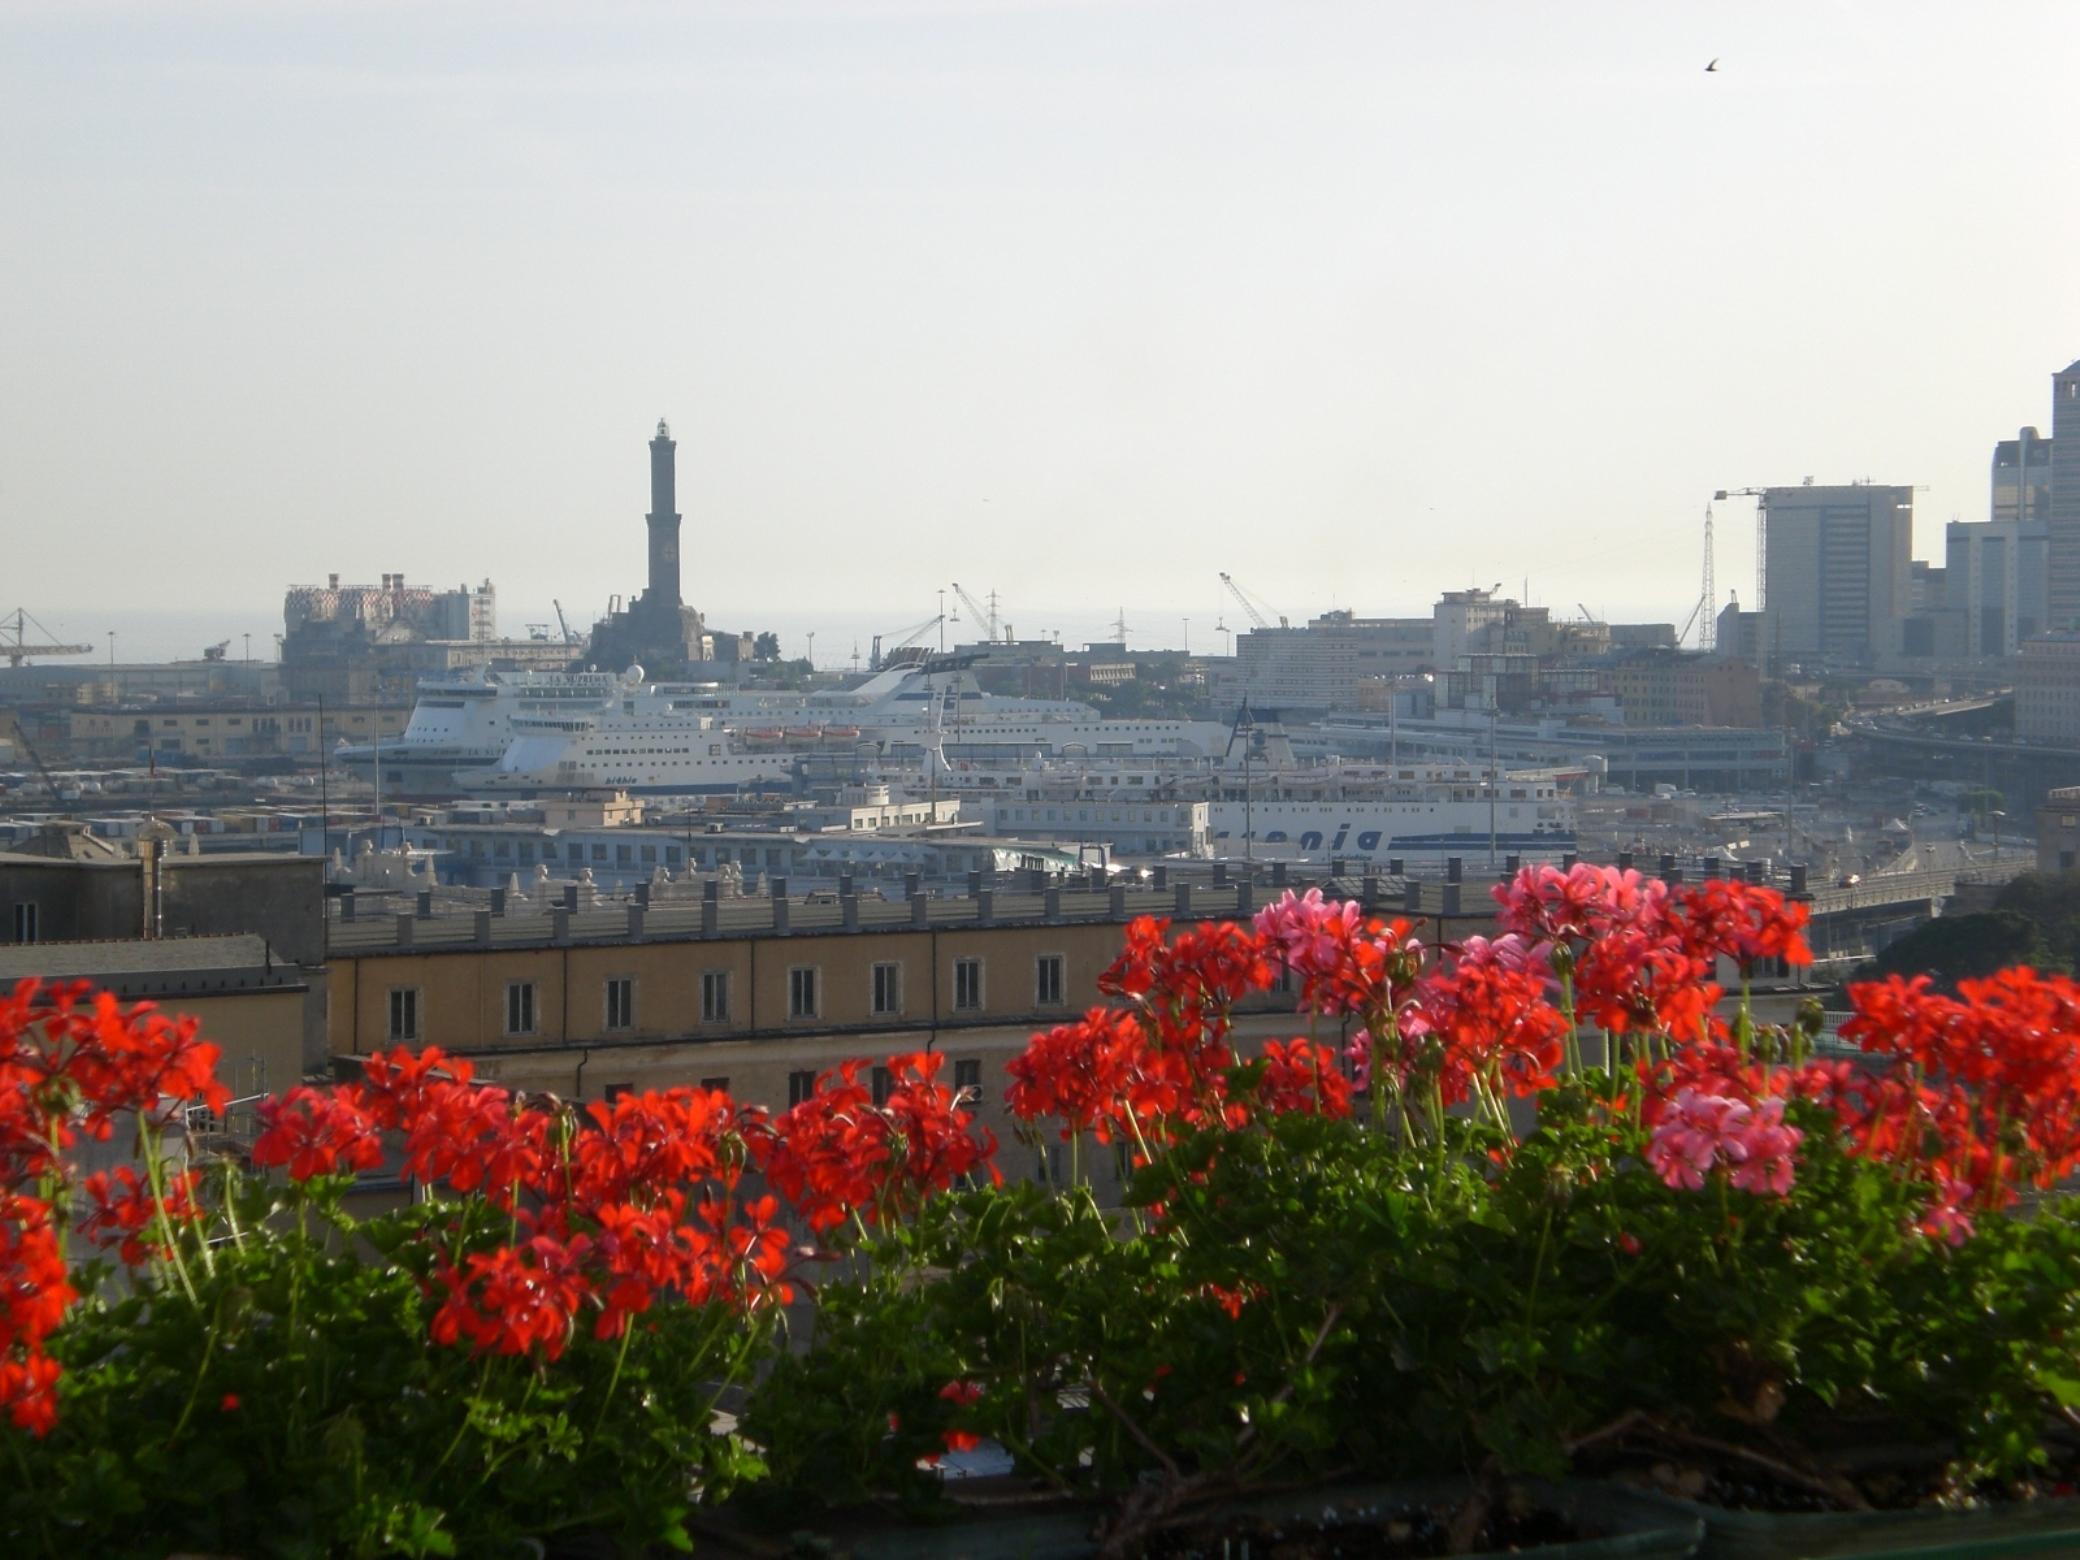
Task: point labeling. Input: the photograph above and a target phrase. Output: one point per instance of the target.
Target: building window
(800, 1086)
(883, 1083)
(621, 1003)
(715, 996)
(1047, 980)
(967, 985)
(404, 1013)
(801, 992)
(520, 1007)
(967, 1080)
(888, 988)
(26, 921)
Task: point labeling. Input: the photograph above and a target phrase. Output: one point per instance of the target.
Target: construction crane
(16, 645)
(986, 617)
(1708, 596)
(569, 638)
(36, 758)
(908, 638)
(1257, 613)
(1762, 533)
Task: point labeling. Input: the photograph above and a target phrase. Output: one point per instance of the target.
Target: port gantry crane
(909, 637)
(16, 645)
(1257, 613)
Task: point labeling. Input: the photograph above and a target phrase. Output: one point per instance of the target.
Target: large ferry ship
(657, 739)
(465, 722)
(1276, 807)
(507, 731)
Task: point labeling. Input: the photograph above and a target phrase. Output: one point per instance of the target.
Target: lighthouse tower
(662, 600)
(657, 628)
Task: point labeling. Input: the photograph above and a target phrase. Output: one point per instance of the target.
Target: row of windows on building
(577, 853)
(801, 1083)
(804, 995)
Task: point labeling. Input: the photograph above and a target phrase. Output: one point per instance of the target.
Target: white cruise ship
(547, 730)
(660, 740)
(466, 722)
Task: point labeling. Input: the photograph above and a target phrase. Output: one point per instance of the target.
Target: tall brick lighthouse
(662, 597)
(657, 629)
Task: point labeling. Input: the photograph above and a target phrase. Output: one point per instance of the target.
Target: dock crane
(1257, 614)
(908, 638)
(985, 617)
(16, 645)
(569, 638)
(36, 758)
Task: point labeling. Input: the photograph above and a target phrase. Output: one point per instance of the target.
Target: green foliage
(1967, 947)
(294, 1406)
(1398, 1313)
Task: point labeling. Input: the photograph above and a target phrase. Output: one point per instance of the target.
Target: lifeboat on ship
(764, 736)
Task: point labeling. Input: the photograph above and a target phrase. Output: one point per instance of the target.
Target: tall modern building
(1837, 570)
(2022, 478)
(2064, 513)
(1995, 575)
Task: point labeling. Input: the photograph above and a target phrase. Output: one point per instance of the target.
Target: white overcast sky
(1084, 302)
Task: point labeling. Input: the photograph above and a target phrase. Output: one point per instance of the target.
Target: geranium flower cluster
(1700, 1132)
(1164, 1063)
(1979, 1095)
(1983, 1090)
(73, 1063)
(626, 1203)
(605, 1212)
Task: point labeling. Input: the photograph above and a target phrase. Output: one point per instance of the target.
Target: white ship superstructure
(640, 746)
(466, 722)
(665, 738)
(1365, 813)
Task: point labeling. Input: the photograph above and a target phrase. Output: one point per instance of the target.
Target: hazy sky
(1081, 301)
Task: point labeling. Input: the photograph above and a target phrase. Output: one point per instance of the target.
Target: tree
(766, 647)
(1965, 947)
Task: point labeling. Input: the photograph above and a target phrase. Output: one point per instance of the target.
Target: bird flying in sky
(1714, 65)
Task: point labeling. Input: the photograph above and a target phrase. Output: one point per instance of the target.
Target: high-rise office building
(1837, 572)
(2022, 478)
(1994, 575)
(2064, 512)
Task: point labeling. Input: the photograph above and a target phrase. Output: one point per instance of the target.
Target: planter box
(2024, 1530)
(1633, 1527)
